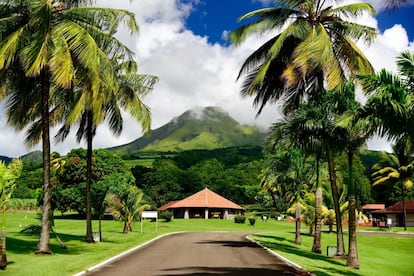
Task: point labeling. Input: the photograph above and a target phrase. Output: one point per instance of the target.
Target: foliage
(109, 174)
(252, 221)
(240, 219)
(166, 216)
(29, 184)
(306, 51)
(127, 207)
(166, 180)
(8, 176)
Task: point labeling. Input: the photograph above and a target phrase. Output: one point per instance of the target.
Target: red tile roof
(398, 208)
(203, 199)
(373, 206)
(167, 206)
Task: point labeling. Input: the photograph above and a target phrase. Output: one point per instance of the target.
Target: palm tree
(8, 176)
(49, 41)
(355, 135)
(395, 169)
(90, 109)
(313, 44)
(288, 173)
(127, 207)
(388, 106)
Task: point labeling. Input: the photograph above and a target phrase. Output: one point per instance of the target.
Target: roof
(167, 206)
(398, 208)
(202, 199)
(376, 206)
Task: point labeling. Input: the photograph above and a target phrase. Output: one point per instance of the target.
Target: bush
(239, 219)
(166, 216)
(252, 221)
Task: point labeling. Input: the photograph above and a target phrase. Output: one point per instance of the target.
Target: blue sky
(181, 43)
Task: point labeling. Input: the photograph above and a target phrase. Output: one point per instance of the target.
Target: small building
(367, 209)
(203, 204)
(396, 213)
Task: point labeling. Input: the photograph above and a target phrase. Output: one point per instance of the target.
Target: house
(203, 204)
(396, 214)
(367, 209)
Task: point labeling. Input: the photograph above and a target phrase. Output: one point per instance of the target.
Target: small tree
(127, 207)
(8, 175)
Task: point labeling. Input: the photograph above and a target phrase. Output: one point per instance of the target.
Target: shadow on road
(231, 271)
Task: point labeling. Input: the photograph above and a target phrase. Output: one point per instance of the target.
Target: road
(213, 253)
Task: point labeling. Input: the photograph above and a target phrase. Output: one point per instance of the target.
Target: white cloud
(194, 72)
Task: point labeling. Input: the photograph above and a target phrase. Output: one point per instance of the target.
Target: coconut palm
(49, 40)
(89, 108)
(313, 128)
(313, 44)
(395, 169)
(355, 135)
(8, 176)
(389, 104)
(127, 207)
(288, 173)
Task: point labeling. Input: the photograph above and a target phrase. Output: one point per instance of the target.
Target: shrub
(239, 219)
(252, 221)
(166, 216)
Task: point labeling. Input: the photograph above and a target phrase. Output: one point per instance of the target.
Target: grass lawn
(379, 255)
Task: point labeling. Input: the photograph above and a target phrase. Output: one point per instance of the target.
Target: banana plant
(8, 176)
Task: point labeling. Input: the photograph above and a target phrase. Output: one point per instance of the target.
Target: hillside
(207, 128)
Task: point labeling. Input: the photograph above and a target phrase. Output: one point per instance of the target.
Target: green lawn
(378, 255)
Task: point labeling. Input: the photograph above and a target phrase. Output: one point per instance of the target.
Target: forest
(234, 172)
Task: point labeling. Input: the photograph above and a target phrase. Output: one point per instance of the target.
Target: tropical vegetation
(61, 66)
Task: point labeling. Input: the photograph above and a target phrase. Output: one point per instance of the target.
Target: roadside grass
(379, 255)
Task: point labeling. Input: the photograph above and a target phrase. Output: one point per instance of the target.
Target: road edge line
(117, 257)
(289, 262)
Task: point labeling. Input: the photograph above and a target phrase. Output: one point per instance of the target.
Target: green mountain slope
(207, 128)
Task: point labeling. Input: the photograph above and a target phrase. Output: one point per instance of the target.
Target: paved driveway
(213, 253)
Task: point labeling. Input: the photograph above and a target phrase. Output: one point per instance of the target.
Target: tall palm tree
(90, 109)
(356, 132)
(397, 169)
(49, 40)
(313, 44)
(288, 173)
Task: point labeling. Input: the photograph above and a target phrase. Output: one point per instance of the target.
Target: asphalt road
(213, 253)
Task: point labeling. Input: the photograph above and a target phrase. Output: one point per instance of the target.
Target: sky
(184, 44)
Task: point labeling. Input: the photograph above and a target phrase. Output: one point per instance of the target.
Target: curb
(119, 256)
(289, 262)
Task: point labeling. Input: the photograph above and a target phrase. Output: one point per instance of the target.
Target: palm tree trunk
(43, 246)
(352, 260)
(89, 136)
(318, 212)
(297, 224)
(3, 255)
(404, 208)
(100, 227)
(332, 178)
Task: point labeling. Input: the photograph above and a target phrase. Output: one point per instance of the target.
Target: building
(396, 213)
(203, 204)
(367, 210)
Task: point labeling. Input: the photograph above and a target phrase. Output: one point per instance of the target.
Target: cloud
(193, 72)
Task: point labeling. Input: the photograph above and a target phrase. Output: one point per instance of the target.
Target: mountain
(206, 128)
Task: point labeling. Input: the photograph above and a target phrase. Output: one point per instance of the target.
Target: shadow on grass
(28, 243)
(283, 245)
